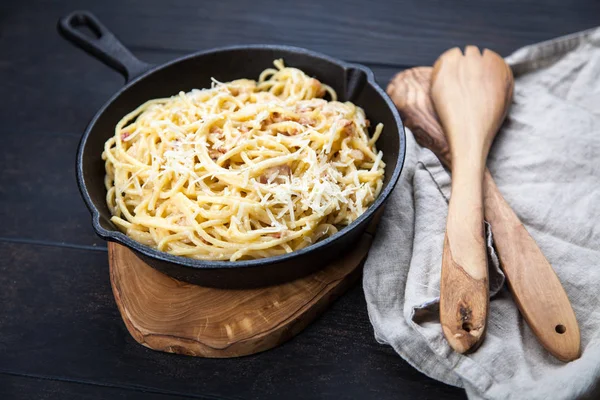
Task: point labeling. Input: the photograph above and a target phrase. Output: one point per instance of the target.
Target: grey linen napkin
(546, 162)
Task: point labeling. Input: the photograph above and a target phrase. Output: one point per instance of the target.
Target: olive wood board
(176, 317)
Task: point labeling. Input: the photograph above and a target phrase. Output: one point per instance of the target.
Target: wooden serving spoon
(471, 94)
(537, 290)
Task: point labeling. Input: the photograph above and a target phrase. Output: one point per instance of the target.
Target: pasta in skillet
(246, 169)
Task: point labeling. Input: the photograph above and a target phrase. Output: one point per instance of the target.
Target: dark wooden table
(61, 335)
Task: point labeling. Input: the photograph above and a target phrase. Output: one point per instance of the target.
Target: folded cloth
(546, 162)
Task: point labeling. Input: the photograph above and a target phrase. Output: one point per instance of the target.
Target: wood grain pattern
(471, 94)
(176, 317)
(409, 90)
(464, 303)
(536, 289)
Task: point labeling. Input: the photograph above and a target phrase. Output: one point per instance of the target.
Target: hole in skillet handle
(84, 30)
(86, 26)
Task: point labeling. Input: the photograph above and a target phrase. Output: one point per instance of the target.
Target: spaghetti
(242, 170)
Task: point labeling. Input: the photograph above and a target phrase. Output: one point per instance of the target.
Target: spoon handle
(464, 293)
(535, 287)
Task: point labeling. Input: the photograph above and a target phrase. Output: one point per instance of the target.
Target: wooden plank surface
(49, 388)
(39, 199)
(60, 332)
(59, 320)
(389, 32)
(386, 35)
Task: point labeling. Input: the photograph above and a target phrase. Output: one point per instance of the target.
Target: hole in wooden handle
(467, 326)
(560, 329)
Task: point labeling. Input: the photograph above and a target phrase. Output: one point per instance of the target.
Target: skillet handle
(103, 45)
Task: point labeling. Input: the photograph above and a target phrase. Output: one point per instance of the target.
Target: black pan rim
(123, 239)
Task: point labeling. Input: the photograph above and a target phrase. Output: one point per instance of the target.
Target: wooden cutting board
(177, 317)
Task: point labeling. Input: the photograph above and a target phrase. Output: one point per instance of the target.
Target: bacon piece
(215, 153)
(315, 84)
(275, 174)
(307, 121)
(277, 117)
(283, 118)
(279, 235)
(347, 127)
(125, 135)
(289, 132)
(317, 87)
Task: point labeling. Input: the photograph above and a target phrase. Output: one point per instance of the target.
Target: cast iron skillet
(351, 81)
